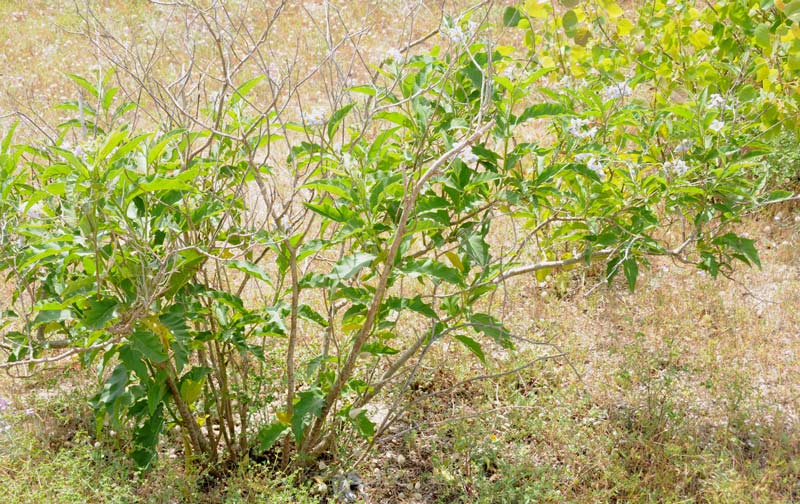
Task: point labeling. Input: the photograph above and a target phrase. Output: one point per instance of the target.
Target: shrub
(249, 320)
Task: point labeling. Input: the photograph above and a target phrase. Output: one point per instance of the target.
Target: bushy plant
(254, 277)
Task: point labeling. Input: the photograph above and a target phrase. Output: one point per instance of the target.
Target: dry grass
(686, 391)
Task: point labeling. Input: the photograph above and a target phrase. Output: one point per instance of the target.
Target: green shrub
(252, 323)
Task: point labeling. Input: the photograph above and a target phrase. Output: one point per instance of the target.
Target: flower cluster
(36, 211)
(716, 101)
(685, 146)
(678, 167)
(456, 34)
(511, 72)
(721, 103)
(468, 158)
(393, 55)
(77, 151)
(592, 162)
(316, 117)
(617, 91)
(579, 128)
(348, 162)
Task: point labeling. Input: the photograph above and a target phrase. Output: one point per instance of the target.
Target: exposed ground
(686, 391)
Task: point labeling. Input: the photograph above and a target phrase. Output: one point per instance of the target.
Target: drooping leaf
(114, 387)
(349, 266)
(379, 348)
(491, 327)
(476, 247)
(308, 313)
(631, 269)
(435, 269)
(511, 16)
(191, 383)
(472, 345)
(146, 439)
(269, 434)
(251, 269)
(309, 405)
(337, 118)
(744, 248)
(99, 312)
(364, 426)
(150, 345)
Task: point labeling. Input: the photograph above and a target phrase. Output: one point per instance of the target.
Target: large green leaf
(149, 344)
(631, 269)
(434, 269)
(99, 312)
(378, 348)
(491, 327)
(349, 266)
(114, 387)
(309, 405)
(570, 23)
(269, 434)
(364, 426)
(541, 110)
(337, 118)
(511, 16)
(254, 270)
(472, 345)
(744, 248)
(146, 439)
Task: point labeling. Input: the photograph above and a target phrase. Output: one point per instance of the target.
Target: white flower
(617, 91)
(716, 101)
(679, 167)
(577, 123)
(393, 55)
(468, 157)
(592, 162)
(595, 165)
(577, 128)
(316, 117)
(716, 125)
(684, 147)
(510, 72)
(454, 33)
(36, 211)
(348, 162)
